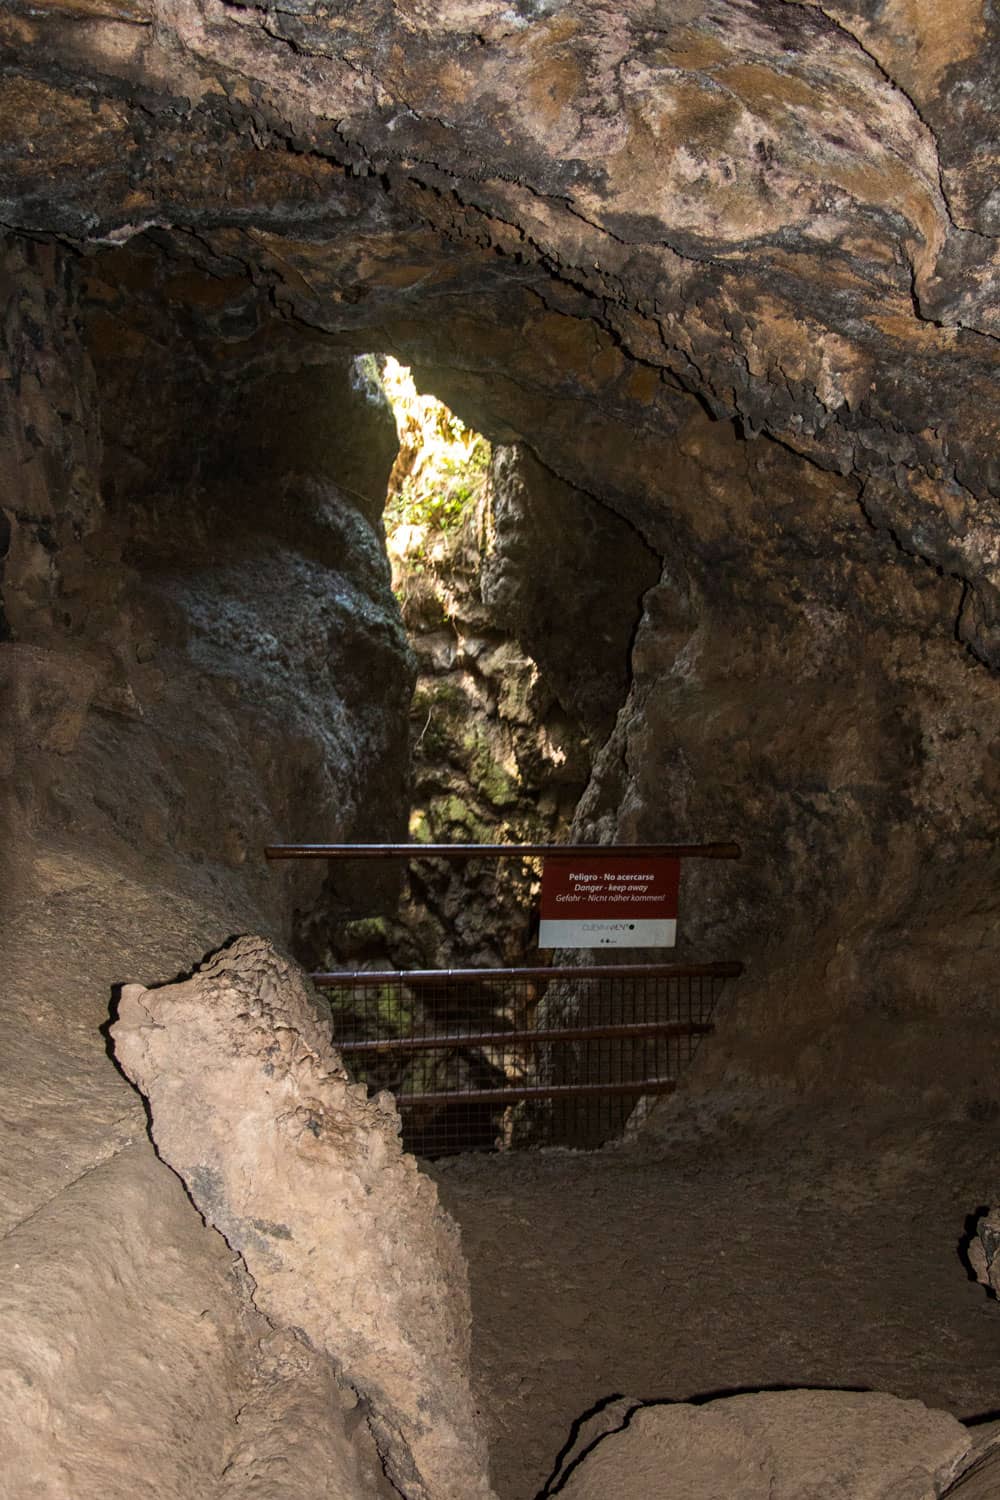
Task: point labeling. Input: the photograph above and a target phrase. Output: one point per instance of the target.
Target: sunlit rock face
(521, 595)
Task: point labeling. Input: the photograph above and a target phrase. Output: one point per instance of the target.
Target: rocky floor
(745, 1244)
(745, 1249)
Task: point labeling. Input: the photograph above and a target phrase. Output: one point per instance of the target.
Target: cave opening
(496, 756)
(499, 755)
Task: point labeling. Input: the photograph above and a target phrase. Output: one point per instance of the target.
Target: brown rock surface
(778, 1445)
(305, 1178)
(301, 1433)
(980, 1479)
(796, 683)
(133, 1363)
(152, 736)
(728, 267)
(132, 1355)
(757, 1246)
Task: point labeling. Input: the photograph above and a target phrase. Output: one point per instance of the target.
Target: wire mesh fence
(482, 1059)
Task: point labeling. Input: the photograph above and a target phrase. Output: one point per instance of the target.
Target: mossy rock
(420, 831)
(454, 812)
(495, 785)
(366, 930)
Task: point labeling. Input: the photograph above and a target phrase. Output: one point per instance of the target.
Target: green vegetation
(490, 780)
(445, 491)
(366, 930)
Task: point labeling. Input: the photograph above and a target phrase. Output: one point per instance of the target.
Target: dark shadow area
(982, 1419)
(558, 1478)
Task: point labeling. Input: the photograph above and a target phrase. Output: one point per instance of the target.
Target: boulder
(776, 1445)
(345, 1240)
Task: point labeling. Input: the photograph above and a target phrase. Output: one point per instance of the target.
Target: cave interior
(716, 280)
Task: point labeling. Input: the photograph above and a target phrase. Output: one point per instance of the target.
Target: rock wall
(567, 576)
(729, 267)
(788, 207)
(797, 686)
(195, 578)
(522, 641)
(190, 626)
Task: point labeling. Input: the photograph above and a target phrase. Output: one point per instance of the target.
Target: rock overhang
(750, 201)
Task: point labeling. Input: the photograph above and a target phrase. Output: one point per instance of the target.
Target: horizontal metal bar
(539, 1091)
(370, 978)
(529, 1038)
(502, 851)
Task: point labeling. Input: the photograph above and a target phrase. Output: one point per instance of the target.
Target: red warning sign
(609, 902)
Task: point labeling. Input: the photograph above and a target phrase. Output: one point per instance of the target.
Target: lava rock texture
(789, 208)
(728, 266)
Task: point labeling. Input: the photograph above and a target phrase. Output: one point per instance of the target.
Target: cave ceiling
(786, 211)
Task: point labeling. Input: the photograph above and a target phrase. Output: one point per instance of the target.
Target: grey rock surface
(984, 1251)
(305, 1177)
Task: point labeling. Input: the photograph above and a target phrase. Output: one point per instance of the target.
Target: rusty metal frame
(528, 1038)
(447, 1040)
(518, 1093)
(329, 979)
(502, 851)
(443, 979)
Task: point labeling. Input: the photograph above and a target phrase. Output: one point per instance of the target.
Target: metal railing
(492, 1059)
(483, 1059)
(501, 851)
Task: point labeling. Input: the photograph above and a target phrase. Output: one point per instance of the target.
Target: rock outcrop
(116, 1381)
(776, 1445)
(305, 1177)
(189, 628)
(795, 685)
(984, 1251)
